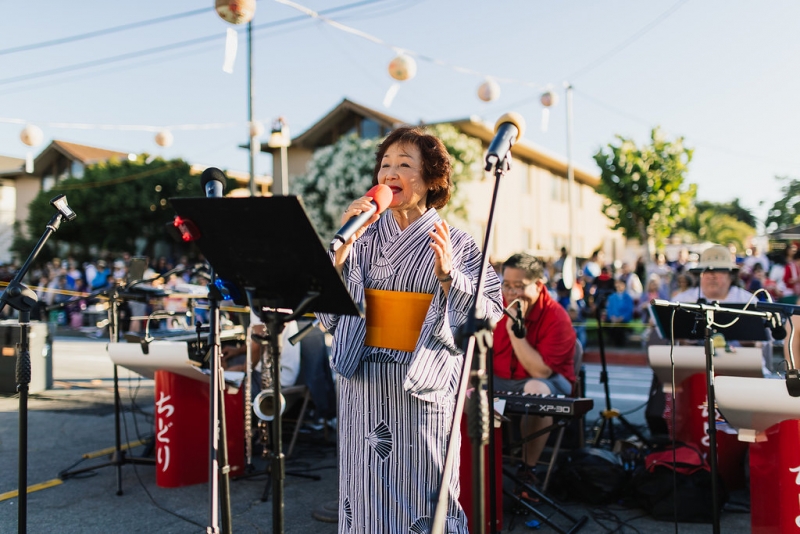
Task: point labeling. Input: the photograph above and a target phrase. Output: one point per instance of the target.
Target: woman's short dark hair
(436, 167)
(530, 265)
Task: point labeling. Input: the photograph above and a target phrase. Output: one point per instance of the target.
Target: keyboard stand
(559, 423)
(543, 499)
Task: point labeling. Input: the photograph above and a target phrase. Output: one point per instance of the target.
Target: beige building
(532, 212)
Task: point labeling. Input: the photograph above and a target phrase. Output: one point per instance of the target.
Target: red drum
(182, 430)
(775, 480)
(465, 474)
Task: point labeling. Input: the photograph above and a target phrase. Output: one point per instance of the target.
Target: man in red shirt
(537, 356)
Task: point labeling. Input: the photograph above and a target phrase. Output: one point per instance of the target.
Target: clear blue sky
(724, 74)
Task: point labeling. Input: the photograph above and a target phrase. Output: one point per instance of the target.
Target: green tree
(645, 187)
(341, 172)
(116, 203)
(725, 223)
(786, 211)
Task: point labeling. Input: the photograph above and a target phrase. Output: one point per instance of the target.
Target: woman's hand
(443, 251)
(357, 207)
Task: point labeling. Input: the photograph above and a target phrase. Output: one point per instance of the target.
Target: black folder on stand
(266, 246)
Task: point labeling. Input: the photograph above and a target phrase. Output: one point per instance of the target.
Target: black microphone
(507, 131)
(381, 196)
(793, 382)
(213, 181)
(517, 322)
(776, 326)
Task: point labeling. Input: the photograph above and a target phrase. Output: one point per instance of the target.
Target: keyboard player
(534, 346)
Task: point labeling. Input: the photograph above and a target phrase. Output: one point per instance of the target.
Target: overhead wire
(168, 47)
(105, 31)
(627, 42)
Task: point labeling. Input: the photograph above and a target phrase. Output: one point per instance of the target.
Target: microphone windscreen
(382, 195)
(213, 174)
(515, 119)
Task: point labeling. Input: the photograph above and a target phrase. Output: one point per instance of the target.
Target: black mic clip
(793, 382)
(517, 321)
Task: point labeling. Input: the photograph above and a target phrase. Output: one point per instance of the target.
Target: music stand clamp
(704, 316)
(288, 273)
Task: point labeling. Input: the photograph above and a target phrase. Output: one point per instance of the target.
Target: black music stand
(267, 248)
(677, 320)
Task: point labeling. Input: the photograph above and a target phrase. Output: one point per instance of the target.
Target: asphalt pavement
(76, 418)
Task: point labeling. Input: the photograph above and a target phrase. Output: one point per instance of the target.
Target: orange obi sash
(394, 318)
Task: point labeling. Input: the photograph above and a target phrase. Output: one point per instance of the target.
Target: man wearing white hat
(717, 271)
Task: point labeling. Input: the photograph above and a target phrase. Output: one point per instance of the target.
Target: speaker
(40, 347)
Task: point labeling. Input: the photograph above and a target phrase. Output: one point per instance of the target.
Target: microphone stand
(708, 311)
(476, 334)
(609, 415)
(22, 299)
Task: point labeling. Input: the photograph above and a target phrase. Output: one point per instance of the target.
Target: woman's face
(401, 170)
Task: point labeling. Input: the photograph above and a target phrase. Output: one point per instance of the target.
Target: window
(370, 129)
(77, 169)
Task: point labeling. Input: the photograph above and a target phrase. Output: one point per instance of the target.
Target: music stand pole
(218, 476)
(120, 457)
(609, 415)
(712, 419)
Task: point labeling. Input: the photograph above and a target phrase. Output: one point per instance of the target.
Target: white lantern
(488, 91)
(31, 135)
(402, 68)
(164, 138)
(549, 99)
(256, 129)
(236, 11)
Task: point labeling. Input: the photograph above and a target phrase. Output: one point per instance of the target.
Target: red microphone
(381, 196)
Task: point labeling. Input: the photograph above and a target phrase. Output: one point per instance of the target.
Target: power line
(627, 42)
(106, 31)
(163, 48)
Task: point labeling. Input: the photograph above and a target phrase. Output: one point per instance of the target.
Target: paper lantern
(236, 11)
(31, 135)
(549, 99)
(256, 129)
(164, 138)
(402, 68)
(488, 91)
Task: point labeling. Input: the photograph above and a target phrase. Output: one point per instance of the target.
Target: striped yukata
(396, 407)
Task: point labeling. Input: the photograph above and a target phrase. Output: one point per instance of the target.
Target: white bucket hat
(716, 258)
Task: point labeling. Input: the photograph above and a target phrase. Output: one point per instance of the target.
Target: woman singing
(400, 366)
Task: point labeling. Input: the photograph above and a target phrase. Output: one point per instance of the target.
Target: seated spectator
(618, 312)
(683, 282)
(757, 281)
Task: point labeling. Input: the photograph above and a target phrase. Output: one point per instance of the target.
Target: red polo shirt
(550, 332)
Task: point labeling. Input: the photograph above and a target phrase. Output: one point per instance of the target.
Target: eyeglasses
(514, 288)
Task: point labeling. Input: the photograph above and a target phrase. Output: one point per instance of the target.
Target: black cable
(162, 48)
(147, 492)
(106, 31)
(601, 515)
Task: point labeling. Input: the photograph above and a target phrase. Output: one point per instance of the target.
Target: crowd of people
(619, 293)
(67, 288)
